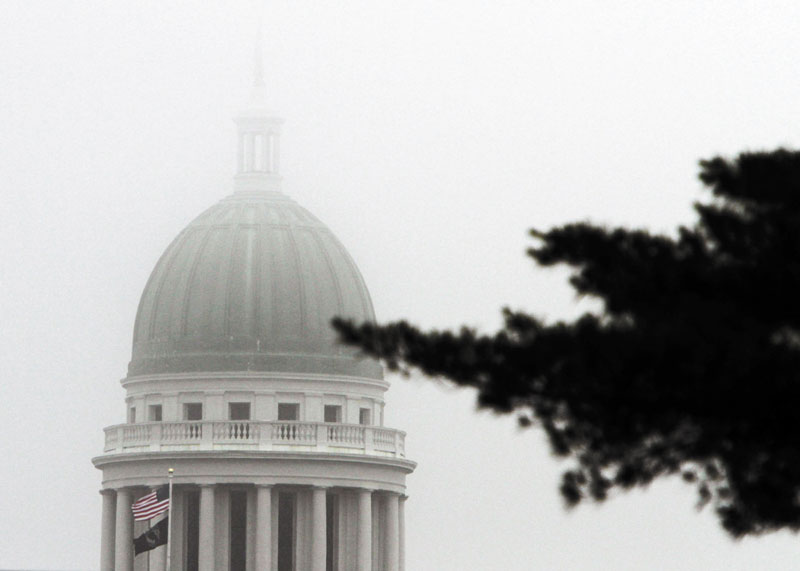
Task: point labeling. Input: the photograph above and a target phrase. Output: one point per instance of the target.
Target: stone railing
(289, 436)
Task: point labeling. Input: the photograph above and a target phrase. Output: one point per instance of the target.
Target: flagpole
(169, 525)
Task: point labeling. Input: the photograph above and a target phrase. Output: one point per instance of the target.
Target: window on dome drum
(132, 415)
(239, 410)
(154, 413)
(363, 415)
(288, 411)
(333, 413)
(193, 411)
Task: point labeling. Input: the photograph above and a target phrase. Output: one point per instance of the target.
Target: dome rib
(335, 278)
(366, 300)
(298, 270)
(190, 275)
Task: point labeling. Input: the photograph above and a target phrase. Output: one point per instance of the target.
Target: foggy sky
(429, 136)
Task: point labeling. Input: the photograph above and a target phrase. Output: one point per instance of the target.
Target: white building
(274, 431)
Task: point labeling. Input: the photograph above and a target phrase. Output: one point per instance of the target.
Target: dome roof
(251, 285)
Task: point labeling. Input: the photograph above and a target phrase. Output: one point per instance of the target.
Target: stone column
(206, 553)
(392, 532)
(319, 536)
(364, 559)
(402, 530)
(264, 528)
(123, 533)
(158, 559)
(107, 531)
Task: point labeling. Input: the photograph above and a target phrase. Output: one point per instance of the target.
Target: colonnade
(387, 554)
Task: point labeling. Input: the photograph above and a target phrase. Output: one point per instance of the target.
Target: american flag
(151, 505)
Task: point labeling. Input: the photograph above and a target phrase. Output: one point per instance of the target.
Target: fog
(429, 136)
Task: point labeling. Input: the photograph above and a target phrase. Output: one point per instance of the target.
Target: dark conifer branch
(693, 368)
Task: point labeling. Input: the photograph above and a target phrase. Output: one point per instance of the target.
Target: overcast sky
(429, 136)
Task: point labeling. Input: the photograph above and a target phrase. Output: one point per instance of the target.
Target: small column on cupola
(259, 130)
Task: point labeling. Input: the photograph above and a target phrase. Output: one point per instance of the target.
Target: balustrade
(136, 433)
(256, 435)
(297, 432)
(346, 434)
(235, 431)
(181, 431)
(384, 439)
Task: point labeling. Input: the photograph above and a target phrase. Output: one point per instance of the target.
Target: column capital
(265, 486)
(107, 492)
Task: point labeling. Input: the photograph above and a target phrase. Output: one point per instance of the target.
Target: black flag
(152, 538)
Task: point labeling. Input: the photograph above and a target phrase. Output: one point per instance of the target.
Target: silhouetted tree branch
(693, 367)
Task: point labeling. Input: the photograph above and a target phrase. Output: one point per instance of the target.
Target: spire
(258, 167)
(258, 97)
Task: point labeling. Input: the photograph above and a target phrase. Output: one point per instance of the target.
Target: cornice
(252, 375)
(259, 455)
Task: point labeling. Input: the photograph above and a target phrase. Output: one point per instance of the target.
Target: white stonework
(274, 432)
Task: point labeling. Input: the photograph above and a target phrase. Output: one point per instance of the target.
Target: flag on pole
(152, 538)
(151, 505)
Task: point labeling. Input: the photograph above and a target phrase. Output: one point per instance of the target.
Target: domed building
(272, 430)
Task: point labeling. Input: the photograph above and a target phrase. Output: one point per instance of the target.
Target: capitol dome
(251, 285)
(253, 439)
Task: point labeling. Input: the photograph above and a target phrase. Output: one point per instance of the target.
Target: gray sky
(429, 136)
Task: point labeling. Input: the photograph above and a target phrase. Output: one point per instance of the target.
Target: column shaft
(319, 536)
(107, 531)
(123, 533)
(364, 530)
(264, 528)
(392, 532)
(206, 549)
